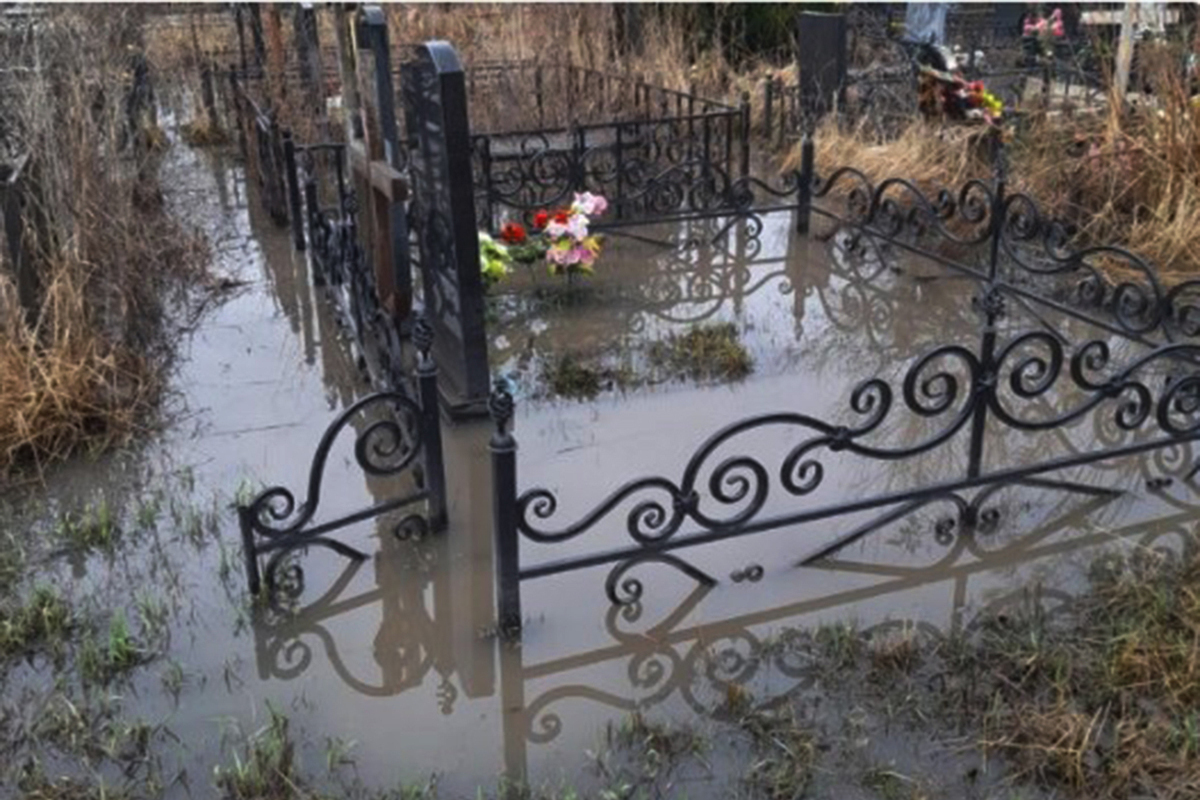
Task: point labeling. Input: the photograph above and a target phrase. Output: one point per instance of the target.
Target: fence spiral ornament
(385, 447)
(627, 591)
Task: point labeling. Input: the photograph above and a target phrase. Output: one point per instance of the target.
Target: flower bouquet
(570, 248)
(561, 238)
(1039, 34)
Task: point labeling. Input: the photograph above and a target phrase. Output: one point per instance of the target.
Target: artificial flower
(493, 259)
(513, 233)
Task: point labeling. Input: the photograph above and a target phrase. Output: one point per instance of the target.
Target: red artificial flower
(561, 217)
(512, 233)
(540, 219)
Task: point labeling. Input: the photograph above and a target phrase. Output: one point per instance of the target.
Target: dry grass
(1126, 178)
(91, 368)
(1105, 706)
(1129, 177)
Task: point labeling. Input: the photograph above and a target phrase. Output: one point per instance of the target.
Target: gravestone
(821, 52)
(442, 214)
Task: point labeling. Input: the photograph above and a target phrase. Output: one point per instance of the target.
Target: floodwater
(393, 654)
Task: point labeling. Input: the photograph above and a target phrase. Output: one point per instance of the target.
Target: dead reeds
(87, 372)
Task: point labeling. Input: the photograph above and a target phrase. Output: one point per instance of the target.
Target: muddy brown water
(392, 654)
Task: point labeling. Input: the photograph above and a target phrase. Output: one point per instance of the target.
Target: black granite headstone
(821, 52)
(443, 220)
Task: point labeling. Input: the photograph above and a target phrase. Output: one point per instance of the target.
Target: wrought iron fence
(528, 96)
(656, 153)
(1000, 382)
(262, 143)
(398, 435)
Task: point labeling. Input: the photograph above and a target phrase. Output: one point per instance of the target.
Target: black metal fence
(397, 434)
(655, 153)
(696, 165)
(262, 144)
(1014, 254)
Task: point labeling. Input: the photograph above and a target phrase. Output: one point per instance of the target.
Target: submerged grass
(710, 352)
(44, 619)
(265, 769)
(785, 754)
(574, 378)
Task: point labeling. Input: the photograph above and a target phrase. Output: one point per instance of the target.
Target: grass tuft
(710, 352)
(44, 619)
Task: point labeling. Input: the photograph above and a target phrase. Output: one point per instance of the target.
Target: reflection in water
(647, 660)
(411, 620)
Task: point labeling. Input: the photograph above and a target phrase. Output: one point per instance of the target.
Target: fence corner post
(431, 425)
(249, 552)
(503, 448)
(805, 188)
(293, 189)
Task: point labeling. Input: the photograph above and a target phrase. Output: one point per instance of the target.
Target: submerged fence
(425, 187)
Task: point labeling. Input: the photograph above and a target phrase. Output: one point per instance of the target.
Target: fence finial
(423, 336)
(500, 406)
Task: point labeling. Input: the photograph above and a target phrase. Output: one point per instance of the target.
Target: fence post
(578, 150)
(1000, 173)
(744, 165)
(241, 35)
(804, 190)
(768, 102)
(537, 79)
(503, 448)
(485, 158)
(293, 185)
(208, 95)
(275, 181)
(235, 97)
(619, 200)
(431, 425)
(779, 134)
(250, 557)
(312, 212)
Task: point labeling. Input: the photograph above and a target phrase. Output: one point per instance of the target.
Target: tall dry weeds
(1125, 174)
(89, 371)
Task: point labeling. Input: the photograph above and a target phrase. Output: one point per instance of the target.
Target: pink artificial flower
(1056, 28)
(555, 229)
(1030, 27)
(589, 203)
(577, 227)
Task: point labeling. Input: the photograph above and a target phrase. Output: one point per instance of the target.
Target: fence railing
(525, 96)
(1029, 381)
(397, 434)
